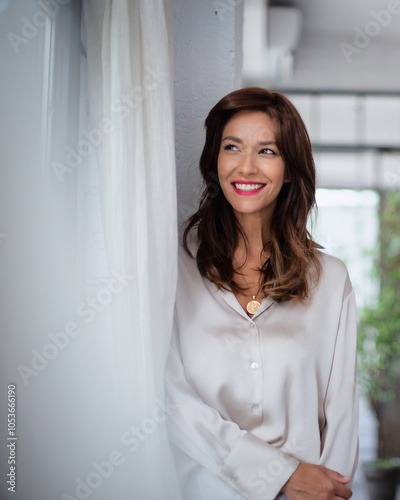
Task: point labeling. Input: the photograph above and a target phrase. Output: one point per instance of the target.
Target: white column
(208, 54)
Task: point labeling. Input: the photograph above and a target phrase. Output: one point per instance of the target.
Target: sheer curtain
(129, 77)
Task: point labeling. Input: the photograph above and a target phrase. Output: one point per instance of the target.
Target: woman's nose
(248, 164)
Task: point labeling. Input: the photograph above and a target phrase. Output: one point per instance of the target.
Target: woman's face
(251, 170)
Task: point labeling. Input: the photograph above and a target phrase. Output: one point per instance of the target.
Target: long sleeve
(245, 462)
(339, 438)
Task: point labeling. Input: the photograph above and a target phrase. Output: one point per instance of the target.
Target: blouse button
(255, 408)
(254, 365)
(251, 325)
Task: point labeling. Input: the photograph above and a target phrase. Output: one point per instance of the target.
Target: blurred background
(338, 61)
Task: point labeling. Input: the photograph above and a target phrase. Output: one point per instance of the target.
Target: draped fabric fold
(129, 75)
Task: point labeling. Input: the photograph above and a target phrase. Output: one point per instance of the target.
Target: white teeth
(248, 187)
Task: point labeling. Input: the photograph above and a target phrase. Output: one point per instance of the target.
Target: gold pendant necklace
(253, 305)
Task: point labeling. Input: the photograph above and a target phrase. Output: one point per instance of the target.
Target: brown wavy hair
(291, 247)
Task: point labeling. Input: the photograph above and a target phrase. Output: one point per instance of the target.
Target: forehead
(251, 122)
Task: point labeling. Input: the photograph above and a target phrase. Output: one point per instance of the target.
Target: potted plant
(379, 353)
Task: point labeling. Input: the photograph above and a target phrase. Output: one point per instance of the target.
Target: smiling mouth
(247, 188)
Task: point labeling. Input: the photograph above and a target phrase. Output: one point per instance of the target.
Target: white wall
(208, 41)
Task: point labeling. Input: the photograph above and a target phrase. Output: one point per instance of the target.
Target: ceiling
(328, 57)
(340, 16)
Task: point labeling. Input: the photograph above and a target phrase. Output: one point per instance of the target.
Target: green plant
(383, 463)
(379, 326)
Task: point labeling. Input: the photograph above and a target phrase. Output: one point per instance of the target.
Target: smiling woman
(262, 364)
(251, 174)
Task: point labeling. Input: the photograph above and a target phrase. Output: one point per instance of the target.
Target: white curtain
(130, 118)
(130, 85)
(87, 247)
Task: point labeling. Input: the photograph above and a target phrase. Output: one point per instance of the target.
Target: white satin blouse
(255, 396)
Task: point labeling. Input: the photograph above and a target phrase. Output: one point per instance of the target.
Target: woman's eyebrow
(231, 138)
(236, 139)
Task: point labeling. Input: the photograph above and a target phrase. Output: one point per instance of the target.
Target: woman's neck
(257, 233)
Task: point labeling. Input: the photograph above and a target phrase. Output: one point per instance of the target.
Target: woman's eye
(231, 147)
(267, 151)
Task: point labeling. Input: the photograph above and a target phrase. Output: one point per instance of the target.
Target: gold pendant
(253, 305)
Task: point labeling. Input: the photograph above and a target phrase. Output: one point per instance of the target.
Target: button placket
(255, 407)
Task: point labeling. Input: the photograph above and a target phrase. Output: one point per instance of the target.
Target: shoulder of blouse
(334, 273)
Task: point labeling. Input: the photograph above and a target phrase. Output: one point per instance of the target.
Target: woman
(262, 366)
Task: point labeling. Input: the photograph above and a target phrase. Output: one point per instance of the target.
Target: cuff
(256, 469)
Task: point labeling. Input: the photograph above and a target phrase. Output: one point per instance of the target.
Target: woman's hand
(316, 482)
